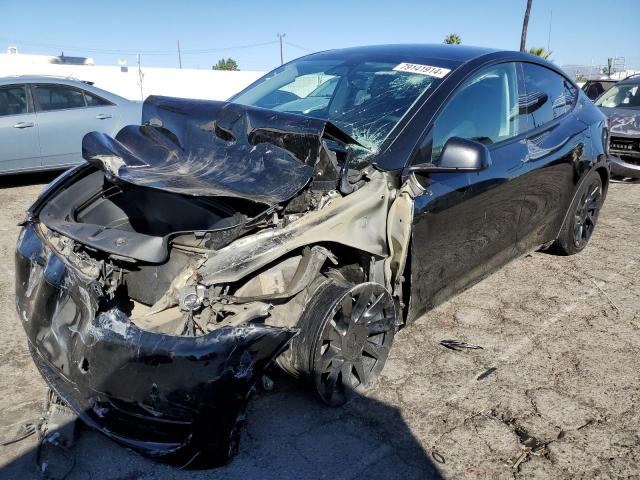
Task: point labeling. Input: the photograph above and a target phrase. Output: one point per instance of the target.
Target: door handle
(23, 125)
(103, 116)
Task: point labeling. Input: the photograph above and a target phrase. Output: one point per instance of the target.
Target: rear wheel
(346, 333)
(582, 218)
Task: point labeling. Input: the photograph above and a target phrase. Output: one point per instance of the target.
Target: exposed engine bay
(224, 264)
(180, 262)
(210, 242)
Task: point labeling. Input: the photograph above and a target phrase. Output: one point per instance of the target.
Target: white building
(129, 81)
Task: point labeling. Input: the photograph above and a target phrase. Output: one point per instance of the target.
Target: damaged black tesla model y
(302, 224)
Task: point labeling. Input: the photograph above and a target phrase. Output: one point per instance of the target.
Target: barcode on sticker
(429, 70)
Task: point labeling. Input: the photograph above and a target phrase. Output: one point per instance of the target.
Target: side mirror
(458, 155)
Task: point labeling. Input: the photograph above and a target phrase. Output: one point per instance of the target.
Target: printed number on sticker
(429, 70)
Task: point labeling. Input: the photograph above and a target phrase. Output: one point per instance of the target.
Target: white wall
(188, 83)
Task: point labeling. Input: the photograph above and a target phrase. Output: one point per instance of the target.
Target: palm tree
(453, 39)
(525, 24)
(540, 52)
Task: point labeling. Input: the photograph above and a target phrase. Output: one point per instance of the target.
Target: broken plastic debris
(486, 373)
(589, 422)
(478, 470)
(25, 430)
(437, 456)
(458, 345)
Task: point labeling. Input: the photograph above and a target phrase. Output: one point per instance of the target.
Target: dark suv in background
(621, 104)
(594, 88)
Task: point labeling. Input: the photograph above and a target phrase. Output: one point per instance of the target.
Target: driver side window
(484, 109)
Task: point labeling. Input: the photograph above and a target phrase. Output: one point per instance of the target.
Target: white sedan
(43, 120)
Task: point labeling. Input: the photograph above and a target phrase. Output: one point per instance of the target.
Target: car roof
(635, 78)
(442, 55)
(63, 81)
(42, 79)
(453, 53)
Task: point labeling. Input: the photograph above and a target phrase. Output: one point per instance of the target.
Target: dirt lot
(559, 371)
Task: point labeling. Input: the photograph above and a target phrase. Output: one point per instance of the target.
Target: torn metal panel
(130, 384)
(399, 234)
(357, 220)
(207, 148)
(307, 269)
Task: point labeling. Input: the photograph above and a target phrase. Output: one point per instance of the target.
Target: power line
(237, 47)
(299, 46)
(140, 52)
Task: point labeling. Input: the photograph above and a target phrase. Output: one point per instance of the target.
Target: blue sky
(583, 31)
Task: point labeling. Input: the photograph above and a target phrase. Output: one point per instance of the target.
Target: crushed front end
(158, 281)
(180, 399)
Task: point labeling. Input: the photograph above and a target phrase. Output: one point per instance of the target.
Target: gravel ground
(559, 373)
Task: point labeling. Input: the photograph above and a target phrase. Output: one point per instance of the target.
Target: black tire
(582, 217)
(346, 332)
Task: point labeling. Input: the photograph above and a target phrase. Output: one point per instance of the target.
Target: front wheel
(582, 217)
(346, 333)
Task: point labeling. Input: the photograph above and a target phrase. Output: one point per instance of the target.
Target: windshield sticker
(429, 70)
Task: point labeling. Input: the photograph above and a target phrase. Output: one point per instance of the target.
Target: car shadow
(24, 179)
(289, 435)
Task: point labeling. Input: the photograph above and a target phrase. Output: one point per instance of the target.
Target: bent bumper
(623, 168)
(177, 399)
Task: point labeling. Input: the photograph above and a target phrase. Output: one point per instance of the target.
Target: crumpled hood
(210, 148)
(623, 121)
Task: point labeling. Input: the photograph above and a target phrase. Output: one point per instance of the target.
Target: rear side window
(547, 96)
(58, 97)
(13, 100)
(94, 100)
(484, 109)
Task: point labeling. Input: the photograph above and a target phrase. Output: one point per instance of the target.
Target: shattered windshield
(621, 96)
(366, 99)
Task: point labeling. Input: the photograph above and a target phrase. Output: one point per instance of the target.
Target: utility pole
(525, 24)
(549, 39)
(179, 55)
(140, 76)
(280, 37)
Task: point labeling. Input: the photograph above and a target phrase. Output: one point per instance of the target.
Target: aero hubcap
(354, 343)
(586, 214)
